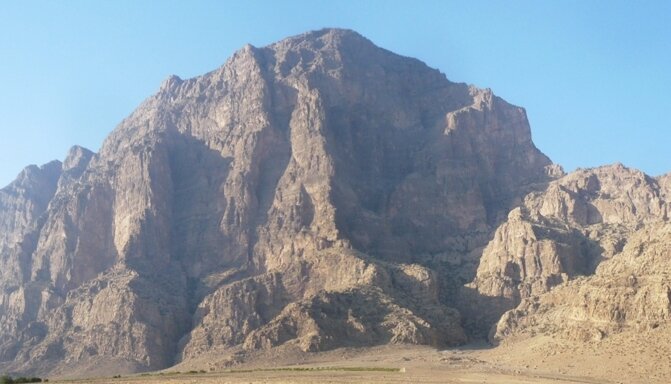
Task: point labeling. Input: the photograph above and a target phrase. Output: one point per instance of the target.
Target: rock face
(631, 291)
(318, 192)
(591, 226)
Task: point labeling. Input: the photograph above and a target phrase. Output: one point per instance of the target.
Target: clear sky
(594, 76)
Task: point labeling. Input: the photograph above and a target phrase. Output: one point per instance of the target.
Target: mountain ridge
(316, 193)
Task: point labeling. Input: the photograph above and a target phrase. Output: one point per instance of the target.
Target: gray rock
(320, 191)
(566, 232)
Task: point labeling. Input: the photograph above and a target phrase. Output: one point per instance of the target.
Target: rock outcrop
(320, 191)
(565, 232)
(630, 291)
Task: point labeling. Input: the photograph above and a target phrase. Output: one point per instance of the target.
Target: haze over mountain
(317, 193)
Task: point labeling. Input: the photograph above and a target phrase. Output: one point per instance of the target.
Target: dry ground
(539, 359)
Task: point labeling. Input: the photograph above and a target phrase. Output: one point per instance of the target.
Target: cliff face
(629, 292)
(586, 252)
(315, 193)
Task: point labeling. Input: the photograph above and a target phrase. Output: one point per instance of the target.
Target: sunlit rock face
(315, 193)
(586, 257)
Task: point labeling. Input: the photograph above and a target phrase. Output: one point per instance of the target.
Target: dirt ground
(539, 359)
(341, 377)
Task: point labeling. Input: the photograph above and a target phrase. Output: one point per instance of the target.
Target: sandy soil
(539, 359)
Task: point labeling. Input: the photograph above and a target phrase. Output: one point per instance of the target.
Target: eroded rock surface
(320, 191)
(630, 291)
(565, 232)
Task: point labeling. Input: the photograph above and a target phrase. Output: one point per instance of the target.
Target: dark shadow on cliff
(577, 255)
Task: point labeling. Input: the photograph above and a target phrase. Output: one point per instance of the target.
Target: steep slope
(568, 231)
(629, 292)
(21, 205)
(316, 193)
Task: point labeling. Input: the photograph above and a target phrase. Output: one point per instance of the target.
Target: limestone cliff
(318, 192)
(631, 291)
(579, 227)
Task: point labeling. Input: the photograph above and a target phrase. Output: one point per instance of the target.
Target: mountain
(566, 231)
(586, 258)
(317, 193)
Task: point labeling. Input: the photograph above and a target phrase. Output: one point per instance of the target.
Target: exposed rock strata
(320, 191)
(631, 291)
(566, 232)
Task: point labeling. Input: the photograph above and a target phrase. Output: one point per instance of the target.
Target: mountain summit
(316, 193)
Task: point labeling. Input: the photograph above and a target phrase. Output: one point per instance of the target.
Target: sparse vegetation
(313, 369)
(5, 379)
(278, 369)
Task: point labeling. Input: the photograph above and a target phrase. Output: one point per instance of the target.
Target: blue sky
(594, 76)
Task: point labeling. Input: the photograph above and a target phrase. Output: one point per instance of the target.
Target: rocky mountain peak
(316, 193)
(326, 40)
(170, 82)
(77, 158)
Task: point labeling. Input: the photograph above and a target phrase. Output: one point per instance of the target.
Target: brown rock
(320, 191)
(563, 232)
(631, 291)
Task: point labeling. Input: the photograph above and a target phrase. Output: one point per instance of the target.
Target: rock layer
(631, 291)
(320, 191)
(565, 232)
